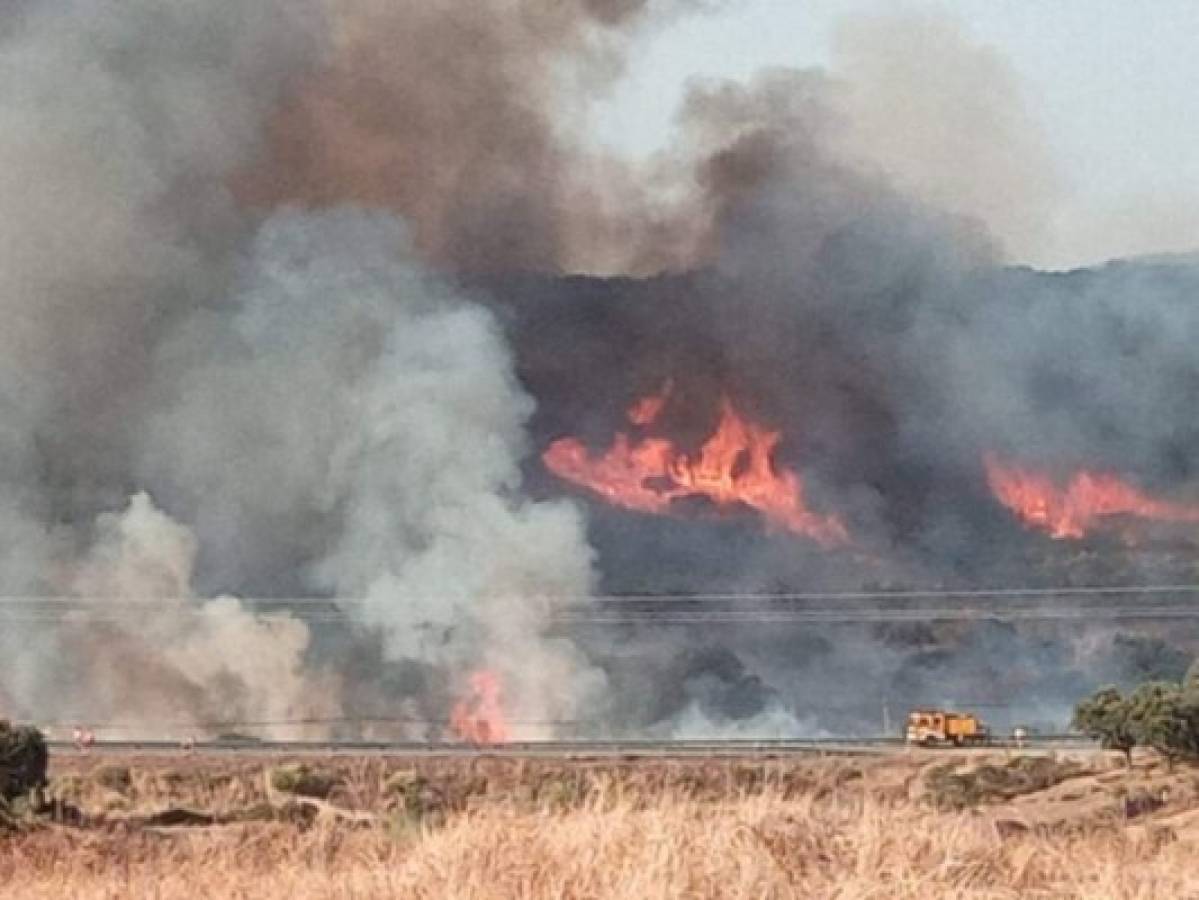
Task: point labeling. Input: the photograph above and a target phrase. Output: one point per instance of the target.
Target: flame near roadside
(478, 717)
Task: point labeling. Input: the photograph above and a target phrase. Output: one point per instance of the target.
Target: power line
(1130, 614)
(1162, 602)
(692, 597)
(717, 617)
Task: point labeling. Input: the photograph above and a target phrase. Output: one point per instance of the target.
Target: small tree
(1155, 715)
(1105, 715)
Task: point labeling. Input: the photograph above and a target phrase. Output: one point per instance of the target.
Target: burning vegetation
(1073, 510)
(735, 466)
(478, 718)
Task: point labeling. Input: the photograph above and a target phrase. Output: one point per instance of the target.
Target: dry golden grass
(835, 830)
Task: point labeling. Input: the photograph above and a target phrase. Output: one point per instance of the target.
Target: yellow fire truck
(938, 727)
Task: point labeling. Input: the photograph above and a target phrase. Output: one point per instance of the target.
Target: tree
(1156, 719)
(1105, 715)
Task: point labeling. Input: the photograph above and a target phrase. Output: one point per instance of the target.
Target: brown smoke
(456, 115)
(160, 660)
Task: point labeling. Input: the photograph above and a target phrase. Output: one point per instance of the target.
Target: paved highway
(556, 749)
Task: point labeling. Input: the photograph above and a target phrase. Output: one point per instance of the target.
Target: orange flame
(734, 466)
(479, 717)
(1072, 511)
(646, 410)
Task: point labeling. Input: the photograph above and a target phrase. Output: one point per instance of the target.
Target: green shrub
(23, 761)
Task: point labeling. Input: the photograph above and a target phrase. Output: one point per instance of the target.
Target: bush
(1022, 775)
(23, 761)
(114, 778)
(303, 782)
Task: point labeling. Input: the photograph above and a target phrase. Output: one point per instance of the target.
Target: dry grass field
(908, 826)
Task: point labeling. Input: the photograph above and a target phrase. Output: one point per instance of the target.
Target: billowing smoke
(140, 652)
(120, 123)
(284, 322)
(319, 414)
(463, 117)
(356, 420)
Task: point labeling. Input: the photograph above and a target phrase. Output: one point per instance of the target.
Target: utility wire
(692, 597)
(728, 617)
(1163, 602)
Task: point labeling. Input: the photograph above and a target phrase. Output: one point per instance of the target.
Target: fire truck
(938, 727)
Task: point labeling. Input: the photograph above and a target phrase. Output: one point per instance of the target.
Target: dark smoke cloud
(212, 383)
(458, 116)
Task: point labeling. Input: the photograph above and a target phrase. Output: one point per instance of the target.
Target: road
(560, 749)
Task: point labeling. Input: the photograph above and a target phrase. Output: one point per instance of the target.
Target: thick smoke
(140, 652)
(318, 414)
(120, 123)
(458, 115)
(240, 357)
(357, 414)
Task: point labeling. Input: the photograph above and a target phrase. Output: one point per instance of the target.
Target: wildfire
(733, 466)
(1071, 511)
(479, 717)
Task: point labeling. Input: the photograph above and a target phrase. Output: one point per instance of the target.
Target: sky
(1112, 86)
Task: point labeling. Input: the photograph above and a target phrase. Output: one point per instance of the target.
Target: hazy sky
(1113, 85)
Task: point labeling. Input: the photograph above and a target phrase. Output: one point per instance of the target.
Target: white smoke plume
(354, 392)
(153, 659)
